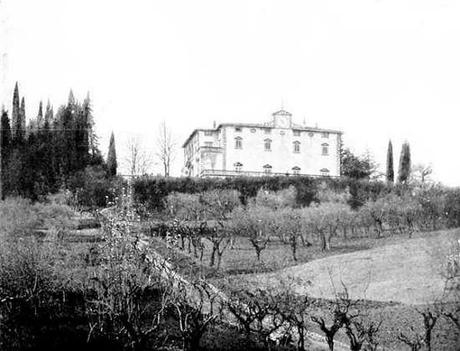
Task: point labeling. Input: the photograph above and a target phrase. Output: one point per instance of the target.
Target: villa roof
(263, 125)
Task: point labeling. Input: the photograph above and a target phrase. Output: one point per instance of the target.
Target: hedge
(150, 192)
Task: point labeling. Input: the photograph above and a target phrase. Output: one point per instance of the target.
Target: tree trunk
(195, 253)
(325, 242)
(213, 257)
(330, 342)
(328, 243)
(219, 259)
(294, 248)
(301, 342)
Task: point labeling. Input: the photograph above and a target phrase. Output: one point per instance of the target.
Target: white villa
(278, 147)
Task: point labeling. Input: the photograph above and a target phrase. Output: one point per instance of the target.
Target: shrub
(92, 188)
(17, 217)
(184, 206)
(276, 199)
(327, 194)
(452, 208)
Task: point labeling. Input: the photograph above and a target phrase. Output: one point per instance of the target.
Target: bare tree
(256, 312)
(196, 308)
(138, 161)
(295, 309)
(165, 148)
(415, 342)
(421, 172)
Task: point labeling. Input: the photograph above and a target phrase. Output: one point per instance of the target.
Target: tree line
(42, 156)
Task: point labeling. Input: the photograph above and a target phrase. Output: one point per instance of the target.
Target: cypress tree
(5, 143)
(390, 168)
(40, 116)
(21, 126)
(404, 164)
(15, 113)
(112, 157)
(6, 133)
(71, 100)
(48, 113)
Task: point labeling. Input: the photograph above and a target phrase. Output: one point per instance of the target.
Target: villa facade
(278, 147)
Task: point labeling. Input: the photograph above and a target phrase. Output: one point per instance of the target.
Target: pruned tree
(253, 224)
(343, 311)
(196, 307)
(295, 310)
(362, 333)
(324, 221)
(165, 148)
(218, 206)
(288, 222)
(256, 312)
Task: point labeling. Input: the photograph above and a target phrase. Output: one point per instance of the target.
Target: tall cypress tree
(390, 167)
(112, 157)
(5, 144)
(15, 114)
(40, 116)
(47, 144)
(404, 164)
(21, 131)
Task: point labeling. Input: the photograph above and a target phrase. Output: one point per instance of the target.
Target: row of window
(269, 131)
(268, 169)
(268, 146)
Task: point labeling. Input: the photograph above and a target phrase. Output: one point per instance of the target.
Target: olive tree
(252, 223)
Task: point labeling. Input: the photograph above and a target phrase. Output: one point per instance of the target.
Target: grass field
(408, 271)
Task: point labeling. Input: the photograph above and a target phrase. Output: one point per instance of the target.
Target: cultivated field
(407, 271)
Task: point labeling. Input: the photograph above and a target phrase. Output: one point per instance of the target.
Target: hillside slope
(407, 272)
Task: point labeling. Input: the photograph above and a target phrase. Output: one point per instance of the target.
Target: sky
(376, 69)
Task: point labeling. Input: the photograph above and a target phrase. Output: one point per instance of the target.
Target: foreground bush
(92, 188)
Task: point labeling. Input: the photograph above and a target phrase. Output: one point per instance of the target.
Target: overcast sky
(376, 69)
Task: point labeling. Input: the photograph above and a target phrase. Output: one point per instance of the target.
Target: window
(237, 129)
(311, 134)
(238, 143)
(208, 132)
(238, 166)
(296, 132)
(324, 172)
(267, 131)
(268, 145)
(208, 143)
(325, 135)
(267, 169)
(296, 170)
(325, 149)
(253, 130)
(296, 147)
